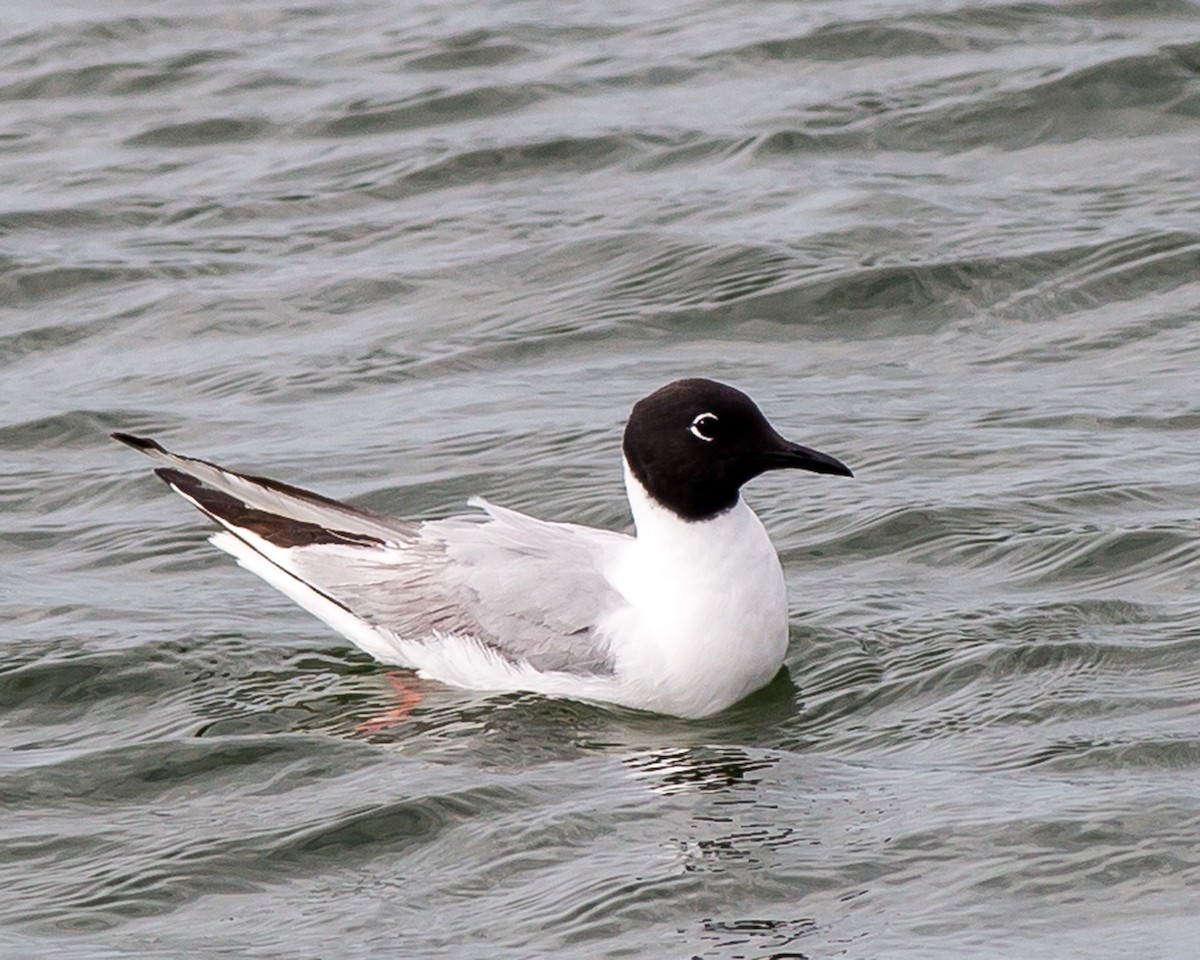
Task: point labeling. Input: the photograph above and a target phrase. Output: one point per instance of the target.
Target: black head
(693, 443)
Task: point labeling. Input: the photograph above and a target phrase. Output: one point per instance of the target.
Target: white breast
(706, 622)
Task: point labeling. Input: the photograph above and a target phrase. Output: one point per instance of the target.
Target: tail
(281, 532)
(279, 513)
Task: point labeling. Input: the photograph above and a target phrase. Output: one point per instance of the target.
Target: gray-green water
(403, 253)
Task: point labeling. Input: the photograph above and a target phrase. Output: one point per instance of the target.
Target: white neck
(707, 615)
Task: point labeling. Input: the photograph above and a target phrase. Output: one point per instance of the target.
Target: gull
(684, 618)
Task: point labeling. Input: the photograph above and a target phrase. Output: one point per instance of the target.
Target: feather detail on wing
(514, 592)
(271, 497)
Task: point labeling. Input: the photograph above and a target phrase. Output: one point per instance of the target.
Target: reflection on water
(682, 770)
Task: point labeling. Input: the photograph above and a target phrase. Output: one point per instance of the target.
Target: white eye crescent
(703, 421)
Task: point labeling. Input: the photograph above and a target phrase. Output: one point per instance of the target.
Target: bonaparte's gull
(686, 617)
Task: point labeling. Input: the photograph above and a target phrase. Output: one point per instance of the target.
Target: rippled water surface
(407, 252)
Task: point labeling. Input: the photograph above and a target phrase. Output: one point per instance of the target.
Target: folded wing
(525, 593)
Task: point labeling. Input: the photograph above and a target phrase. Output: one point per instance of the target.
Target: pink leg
(407, 698)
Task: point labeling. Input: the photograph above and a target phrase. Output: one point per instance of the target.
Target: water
(403, 253)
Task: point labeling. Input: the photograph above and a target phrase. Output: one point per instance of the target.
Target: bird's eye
(704, 427)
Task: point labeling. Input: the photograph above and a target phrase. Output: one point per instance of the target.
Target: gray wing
(529, 590)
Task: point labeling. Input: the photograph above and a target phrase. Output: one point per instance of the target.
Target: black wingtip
(274, 528)
(178, 479)
(138, 443)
